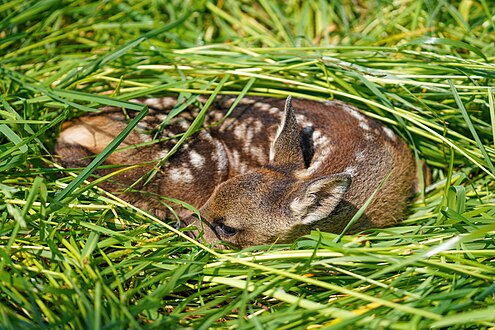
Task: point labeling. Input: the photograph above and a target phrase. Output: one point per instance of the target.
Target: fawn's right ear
(286, 150)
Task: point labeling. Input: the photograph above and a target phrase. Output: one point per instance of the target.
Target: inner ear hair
(307, 144)
(319, 197)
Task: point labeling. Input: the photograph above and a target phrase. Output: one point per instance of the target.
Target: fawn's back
(271, 171)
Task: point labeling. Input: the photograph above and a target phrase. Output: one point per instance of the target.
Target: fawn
(270, 172)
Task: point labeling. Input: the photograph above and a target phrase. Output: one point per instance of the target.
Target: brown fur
(252, 183)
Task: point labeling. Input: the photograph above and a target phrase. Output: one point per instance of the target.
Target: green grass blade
(471, 127)
(482, 315)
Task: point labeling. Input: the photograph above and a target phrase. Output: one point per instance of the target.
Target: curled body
(270, 172)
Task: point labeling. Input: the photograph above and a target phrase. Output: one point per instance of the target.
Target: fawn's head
(274, 203)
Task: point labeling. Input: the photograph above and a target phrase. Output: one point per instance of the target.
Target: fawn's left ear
(318, 198)
(286, 150)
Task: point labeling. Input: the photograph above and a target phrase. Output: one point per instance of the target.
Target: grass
(74, 256)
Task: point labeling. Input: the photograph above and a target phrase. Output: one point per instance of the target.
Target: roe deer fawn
(268, 173)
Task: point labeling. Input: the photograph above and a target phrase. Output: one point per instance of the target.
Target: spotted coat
(335, 138)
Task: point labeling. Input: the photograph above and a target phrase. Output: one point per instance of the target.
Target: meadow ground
(74, 256)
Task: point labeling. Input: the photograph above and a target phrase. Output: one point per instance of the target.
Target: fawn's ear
(286, 150)
(318, 198)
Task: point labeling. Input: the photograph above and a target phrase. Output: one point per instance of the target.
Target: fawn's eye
(224, 230)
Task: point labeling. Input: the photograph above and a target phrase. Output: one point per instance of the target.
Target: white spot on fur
(300, 117)
(197, 160)
(184, 125)
(142, 125)
(237, 163)
(263, 106)
(78, 135)
(322, 151)
(247, 101)
(390, 133)
(161, 116)
(220, 156)
(363, 121)
(257, 126)
(258, 154)
(303, 120)
(319, 139)
(227, 124)
(355, 113)
(364, 125)
(163, 153)
(207, 136)
(351, 170)
(174, 174)
(249, 138)
(159, 103)
(360, 155)
(243, 168)
(317, 163)
(369, 137)
(216, 116)
(145, 137)
(203, 98)
(240, 131)
(228, 103)
(236, 159)
(181, 175)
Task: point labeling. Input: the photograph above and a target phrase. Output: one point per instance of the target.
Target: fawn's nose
(199, 229)
(184, 223)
